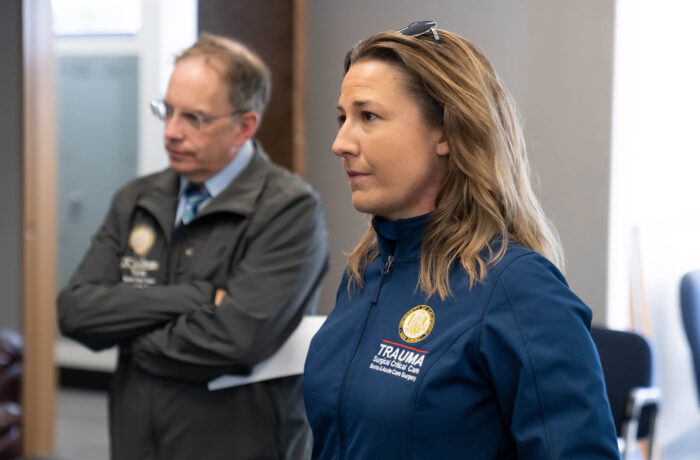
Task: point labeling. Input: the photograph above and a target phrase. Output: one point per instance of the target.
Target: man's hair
(245, 73)
(487, 198)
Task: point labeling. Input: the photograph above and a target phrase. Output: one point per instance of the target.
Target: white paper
(288, 360)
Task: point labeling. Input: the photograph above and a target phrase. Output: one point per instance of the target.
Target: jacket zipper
(386, 271)
(388, 266)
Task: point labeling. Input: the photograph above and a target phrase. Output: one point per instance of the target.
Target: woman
(454, 335)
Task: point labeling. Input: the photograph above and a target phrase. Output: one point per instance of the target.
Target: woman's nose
(344, 143)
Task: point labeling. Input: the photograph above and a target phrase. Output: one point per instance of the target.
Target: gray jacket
(264, 241)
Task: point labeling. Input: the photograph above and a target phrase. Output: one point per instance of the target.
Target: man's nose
(173, 128)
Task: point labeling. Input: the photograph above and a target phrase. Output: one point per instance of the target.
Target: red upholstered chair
(11, 351)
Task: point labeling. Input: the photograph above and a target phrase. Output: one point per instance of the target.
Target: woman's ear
(443, 147)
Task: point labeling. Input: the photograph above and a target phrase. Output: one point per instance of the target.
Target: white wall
(656, 158)
(556, 59)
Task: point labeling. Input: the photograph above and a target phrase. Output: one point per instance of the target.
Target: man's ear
(247, 126)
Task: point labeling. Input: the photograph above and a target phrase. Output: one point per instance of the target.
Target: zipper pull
(388, 266)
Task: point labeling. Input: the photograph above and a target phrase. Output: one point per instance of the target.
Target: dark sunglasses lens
(417, 28)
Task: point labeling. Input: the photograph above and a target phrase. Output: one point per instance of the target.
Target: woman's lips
(355, 177)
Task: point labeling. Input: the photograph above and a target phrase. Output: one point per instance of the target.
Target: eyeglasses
(417, 28)
(194, 120)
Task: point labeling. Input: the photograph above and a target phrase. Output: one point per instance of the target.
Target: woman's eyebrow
(354, 104)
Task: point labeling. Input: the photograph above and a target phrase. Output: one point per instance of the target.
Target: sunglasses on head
(417, 28)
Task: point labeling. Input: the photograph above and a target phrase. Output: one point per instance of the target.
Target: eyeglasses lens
(159, 109)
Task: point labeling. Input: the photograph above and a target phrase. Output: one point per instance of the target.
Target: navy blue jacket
(506, 369)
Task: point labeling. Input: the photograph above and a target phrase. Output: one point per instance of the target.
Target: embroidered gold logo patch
(417, 323)
(141, 239)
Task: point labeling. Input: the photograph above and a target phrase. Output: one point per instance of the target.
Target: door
(97, 146)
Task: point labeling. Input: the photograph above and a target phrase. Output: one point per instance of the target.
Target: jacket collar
(400, 238)
(242, 193)
(160, 198)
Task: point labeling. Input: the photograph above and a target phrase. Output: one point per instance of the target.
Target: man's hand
(219, 296)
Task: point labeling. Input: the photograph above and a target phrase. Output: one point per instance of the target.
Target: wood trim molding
(39, 229)
(299, 86)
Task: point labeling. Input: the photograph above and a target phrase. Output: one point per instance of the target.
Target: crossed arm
(197, 330)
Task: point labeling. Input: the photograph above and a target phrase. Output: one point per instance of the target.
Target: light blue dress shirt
(218, 182)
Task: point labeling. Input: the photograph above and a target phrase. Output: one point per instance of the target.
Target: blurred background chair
(626, 359)
(690, 312)
(11, 352)
(687, 445)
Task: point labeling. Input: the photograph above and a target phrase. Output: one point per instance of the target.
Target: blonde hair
(245, 73)
(487, 198)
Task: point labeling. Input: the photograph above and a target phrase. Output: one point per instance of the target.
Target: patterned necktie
(195, 195)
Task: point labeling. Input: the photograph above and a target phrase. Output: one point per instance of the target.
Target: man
(200, 270)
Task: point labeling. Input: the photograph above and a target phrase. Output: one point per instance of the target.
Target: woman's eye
(341, 119)
(368, 116)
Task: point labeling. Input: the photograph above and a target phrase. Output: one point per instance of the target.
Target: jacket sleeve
(99, 310)
(536, 347)
(268, 292)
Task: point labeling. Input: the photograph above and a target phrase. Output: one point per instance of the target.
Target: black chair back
(626, 360)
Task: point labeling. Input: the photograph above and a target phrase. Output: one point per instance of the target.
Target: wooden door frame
(39, 229)
(299, 87)
(277, 31)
